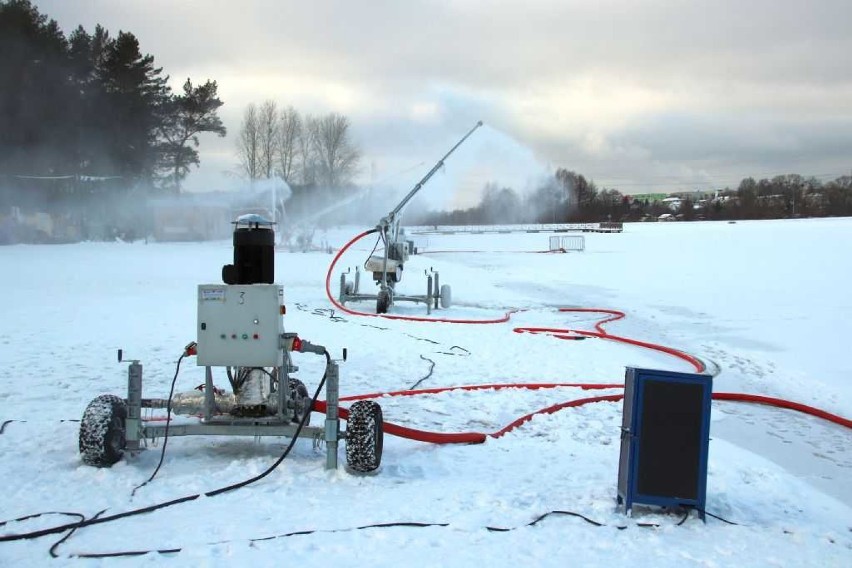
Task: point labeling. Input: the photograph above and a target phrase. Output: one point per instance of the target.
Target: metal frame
(432, 298)
(214, 423)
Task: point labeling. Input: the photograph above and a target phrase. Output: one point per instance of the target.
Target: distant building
(204, 216)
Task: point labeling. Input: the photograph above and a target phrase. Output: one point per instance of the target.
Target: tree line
(569, 197)
(92, 104)
(566, 197)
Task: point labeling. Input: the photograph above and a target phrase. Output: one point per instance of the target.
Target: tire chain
(362, 455)
(94, 429)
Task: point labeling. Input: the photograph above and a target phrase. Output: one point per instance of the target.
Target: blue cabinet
(665, 435)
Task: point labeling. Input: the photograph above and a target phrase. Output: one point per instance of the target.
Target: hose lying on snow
(559, 333)
(480, 437)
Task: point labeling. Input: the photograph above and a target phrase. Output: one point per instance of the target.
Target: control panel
(240, 325)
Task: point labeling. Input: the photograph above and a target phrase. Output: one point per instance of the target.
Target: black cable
(403, 524)
(721, 519)
(328, 312)
(465, 354)
(429, 374)
(432, 341)
(562, 513)
(151, 508)
(230, 374)
(166, 435)
(374, 326)
(56, 544)
(6, 423)
(289, 447)
(375, 246)
(37, 515)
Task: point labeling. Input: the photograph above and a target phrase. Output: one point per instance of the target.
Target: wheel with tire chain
(301, 401)
(102, 431)
(382, 302)
(364, 437)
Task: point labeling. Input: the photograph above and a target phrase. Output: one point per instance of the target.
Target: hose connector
(292, 342)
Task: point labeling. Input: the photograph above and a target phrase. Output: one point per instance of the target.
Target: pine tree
(137, 97)
(187, 116)
(33, 79)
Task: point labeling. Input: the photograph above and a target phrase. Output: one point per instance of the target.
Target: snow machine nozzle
(254, 252)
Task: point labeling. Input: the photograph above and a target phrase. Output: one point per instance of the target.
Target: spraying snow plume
(489, 157)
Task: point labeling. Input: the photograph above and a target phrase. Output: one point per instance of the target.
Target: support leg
(209, 400)
(133, 424)
(332, 418)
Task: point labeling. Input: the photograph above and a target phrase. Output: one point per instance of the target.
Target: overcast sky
(637, 95)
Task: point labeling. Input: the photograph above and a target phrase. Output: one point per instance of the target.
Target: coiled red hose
(559, 333)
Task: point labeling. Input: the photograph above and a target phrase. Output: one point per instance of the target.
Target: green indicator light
(245, 336)
(223, 336)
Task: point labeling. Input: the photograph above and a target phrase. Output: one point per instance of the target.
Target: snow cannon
(254, 252)
(240, 331)
(387, 268)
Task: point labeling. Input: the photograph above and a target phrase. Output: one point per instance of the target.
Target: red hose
(344, 309)
(565, 334)
(498, 386)
(614, 315)
(556, 408)
(559, 333)
(781, 403)
(337, 256)
(480, 437)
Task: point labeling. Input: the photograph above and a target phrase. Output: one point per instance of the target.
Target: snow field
(764, 301)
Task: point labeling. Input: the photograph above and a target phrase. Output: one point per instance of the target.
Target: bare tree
(248, 143)
(287, 143)
(337, 156)
(267, 118)
(307, 151)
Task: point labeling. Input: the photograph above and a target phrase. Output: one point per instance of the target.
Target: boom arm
(391, 218)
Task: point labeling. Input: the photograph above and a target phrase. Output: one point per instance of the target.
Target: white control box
(240, 325)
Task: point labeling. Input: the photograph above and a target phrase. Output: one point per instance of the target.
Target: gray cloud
(634, 92)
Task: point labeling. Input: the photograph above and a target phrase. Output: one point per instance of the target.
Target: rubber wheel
(302, 401)
(364, 437)
(102, 431)
(446, 296)
(382, 302)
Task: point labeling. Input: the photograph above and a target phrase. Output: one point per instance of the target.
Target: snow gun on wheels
(241, 329)
(387, 269)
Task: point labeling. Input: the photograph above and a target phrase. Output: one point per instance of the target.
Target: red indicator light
(297, 344)
(256, 336)
(283, 310)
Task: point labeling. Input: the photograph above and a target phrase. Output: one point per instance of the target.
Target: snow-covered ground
(767, 302)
